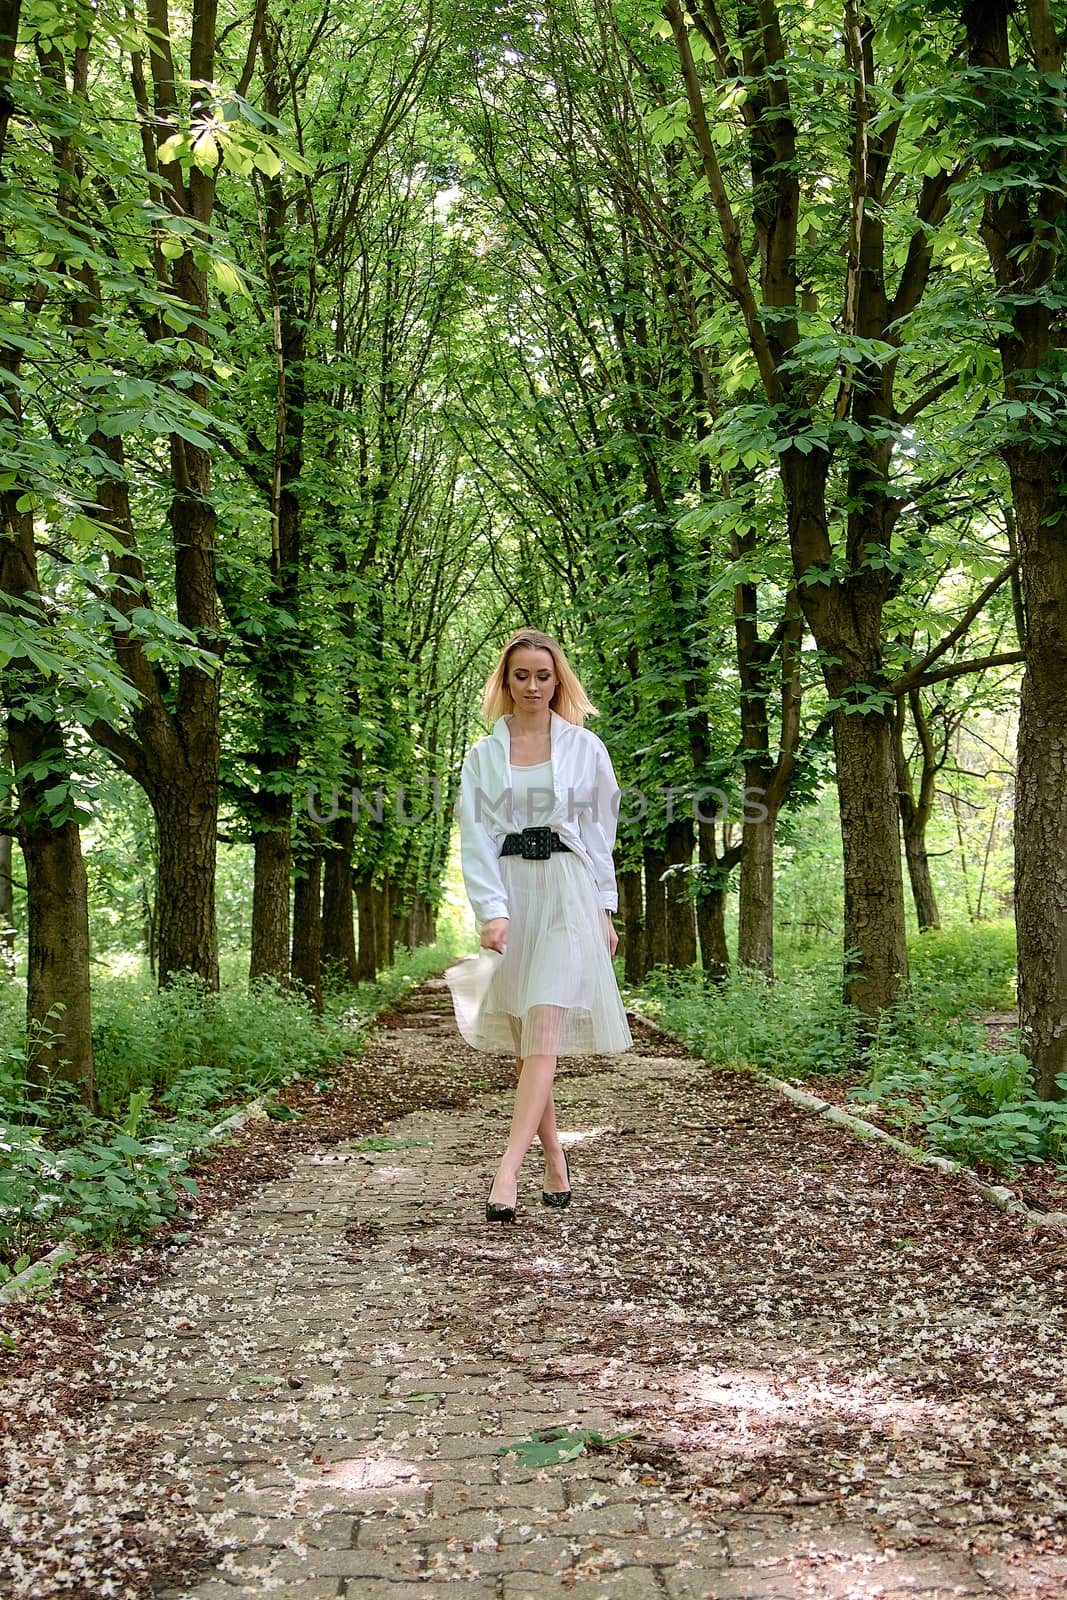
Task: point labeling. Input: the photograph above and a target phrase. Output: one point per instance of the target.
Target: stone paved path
(332, 1369)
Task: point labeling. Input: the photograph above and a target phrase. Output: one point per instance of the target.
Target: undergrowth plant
(798, 1027)
(928, 1069)
(170, 1063)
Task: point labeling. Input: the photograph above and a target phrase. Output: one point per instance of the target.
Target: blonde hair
(569, 701)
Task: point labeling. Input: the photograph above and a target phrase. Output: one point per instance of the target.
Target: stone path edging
(998, 1194)
(25, 1284)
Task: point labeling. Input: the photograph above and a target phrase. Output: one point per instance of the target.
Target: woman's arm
(478, 851)
(598, 826)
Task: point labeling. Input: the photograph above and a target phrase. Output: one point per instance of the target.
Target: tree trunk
(1040, 854)
(338, 929)
(711, 905)
(915, 813)
(714, 951)
(58, 1022)
(270, 899)
(186, 820)
(922, 886)
(307, 927)
(7, 909)
(60, 1041)
(767, 781)
(174, 751)
(755, 929)
(387, 946)
(369, 964)
(655, 909)
(876, 956)
(423, 922)
(845, 618)
(631, 904)
(1023, 228)
(681, 923)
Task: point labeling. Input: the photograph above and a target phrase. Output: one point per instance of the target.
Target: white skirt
(553, 991)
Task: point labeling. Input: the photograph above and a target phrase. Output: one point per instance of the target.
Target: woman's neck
(531, 723)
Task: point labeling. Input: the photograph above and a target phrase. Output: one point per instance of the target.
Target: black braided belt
(532, 844)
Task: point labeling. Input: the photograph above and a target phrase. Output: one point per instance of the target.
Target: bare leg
(533, 1109)
(548, 1134)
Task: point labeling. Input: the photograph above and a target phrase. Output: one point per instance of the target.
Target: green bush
(974, 1105)
(168, 1063)
(205, 1047)
(800, 1027)
(972, 968)
(927, 1069)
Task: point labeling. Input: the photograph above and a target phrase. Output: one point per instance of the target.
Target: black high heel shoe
(495, 1212)
(560, 1197)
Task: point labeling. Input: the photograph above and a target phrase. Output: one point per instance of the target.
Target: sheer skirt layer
(553, 991)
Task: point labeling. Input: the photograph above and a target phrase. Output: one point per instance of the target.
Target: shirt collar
(500, 729)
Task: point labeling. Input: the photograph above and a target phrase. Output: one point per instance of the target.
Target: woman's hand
(495, 935)
(613, 938)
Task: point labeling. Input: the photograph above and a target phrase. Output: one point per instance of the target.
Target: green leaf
(174, 148)
(267, 161)
(206, 152)
(227, 279)
(548, 1447)
(120, 422)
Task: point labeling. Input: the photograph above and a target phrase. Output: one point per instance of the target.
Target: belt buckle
(536, 844)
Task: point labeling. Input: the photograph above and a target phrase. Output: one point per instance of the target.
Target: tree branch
(917, 675)
(1007, 658)
(731, 235)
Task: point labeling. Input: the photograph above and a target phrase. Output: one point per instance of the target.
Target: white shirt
(584, 811)
(533, 798)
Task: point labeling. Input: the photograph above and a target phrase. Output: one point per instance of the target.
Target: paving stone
(668, 1519)
(306, 1589)
(1007, 1577)
(952, 1576)
(382, 1589)
(747, 1583)
(606, 1521)
(632, 1583)
(533, 1586)
(462, 1496)
(466, 1526)
(544, 1556)
(404, 1564)
(695, 1583)
(471, 1447)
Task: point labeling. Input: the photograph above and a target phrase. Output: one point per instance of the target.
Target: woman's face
(531, 678)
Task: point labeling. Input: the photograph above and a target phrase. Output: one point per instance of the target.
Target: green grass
(170, 1065)
(929, 1070)
(798, 1026)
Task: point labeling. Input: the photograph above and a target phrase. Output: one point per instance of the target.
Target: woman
(543, 897)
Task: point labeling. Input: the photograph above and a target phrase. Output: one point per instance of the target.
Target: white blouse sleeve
(599, 828)
(478, 850)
